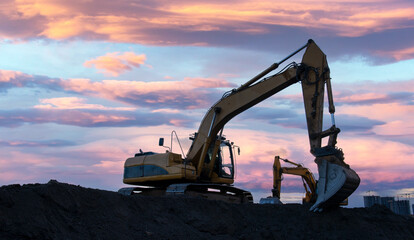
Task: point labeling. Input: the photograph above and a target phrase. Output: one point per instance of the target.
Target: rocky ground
(62, 211)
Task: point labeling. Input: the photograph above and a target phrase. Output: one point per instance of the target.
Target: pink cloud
(8, 76)
(110, 167)
(366, 93)
(365, 89)
(400, 54)
(122, 88)
(113, 64)
(208, 83)
(91, 162)
(383, 176)
(191, 92)
(75, 103)
(365, 152)
(363, 97)
(188, 93)
(398, 117)
(25, 143)
(83, 164)
(376, 160)
(91, 118)
(396, 128)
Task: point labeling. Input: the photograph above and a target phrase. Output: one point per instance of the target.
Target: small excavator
(208, 170)
(308, 180)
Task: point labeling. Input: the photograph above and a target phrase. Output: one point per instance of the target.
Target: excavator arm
(337, 181)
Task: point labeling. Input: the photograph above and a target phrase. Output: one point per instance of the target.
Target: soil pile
(62, 211)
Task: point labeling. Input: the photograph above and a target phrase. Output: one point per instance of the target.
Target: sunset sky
(85, 84)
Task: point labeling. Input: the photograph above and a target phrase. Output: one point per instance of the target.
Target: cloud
(75, 103)
(269, 113)
(377, 161)
(363, 93)
(46, 143)
(291, 118)
(355, 111)
(81, 164)
(399, 54)
(90, 118)
(113, 64)
(369, 97)
(394, 128)
(11, 79)
(359, 27)
(189, 93)
(382, 163)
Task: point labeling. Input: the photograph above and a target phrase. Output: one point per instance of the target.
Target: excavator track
(211, 191)
(218, 192)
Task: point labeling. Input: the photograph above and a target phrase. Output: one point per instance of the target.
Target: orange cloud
(127, 21)
(115, 63)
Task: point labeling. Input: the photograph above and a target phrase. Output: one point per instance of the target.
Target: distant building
(388, 202)
(369, 201)
(402, 207)
(413, 209)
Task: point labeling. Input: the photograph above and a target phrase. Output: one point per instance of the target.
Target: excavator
(208, 168)
(308, 180)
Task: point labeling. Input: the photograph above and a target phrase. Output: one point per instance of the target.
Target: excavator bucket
(336, 183)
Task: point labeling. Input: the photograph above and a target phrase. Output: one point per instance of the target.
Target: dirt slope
(62, 211)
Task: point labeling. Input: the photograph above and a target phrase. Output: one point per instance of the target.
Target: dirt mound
(62, 211)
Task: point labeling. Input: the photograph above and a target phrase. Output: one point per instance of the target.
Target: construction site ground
(63, 211)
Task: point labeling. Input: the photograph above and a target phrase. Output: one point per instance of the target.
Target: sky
(85, 84)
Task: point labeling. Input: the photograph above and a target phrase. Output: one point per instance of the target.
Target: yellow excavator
(308, 180)
(207, 169)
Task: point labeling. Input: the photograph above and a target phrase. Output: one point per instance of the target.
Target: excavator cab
(225, 160)
(222, 155)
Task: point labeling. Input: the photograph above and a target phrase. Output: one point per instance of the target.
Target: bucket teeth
(336, 183)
